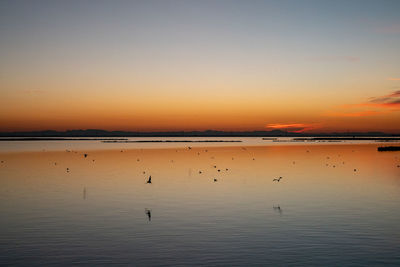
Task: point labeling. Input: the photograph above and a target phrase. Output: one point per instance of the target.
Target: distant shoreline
(96, 133)
(59, 139)
(173, 141)
(348, 139)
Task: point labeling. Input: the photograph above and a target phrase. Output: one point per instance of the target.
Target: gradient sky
(194, 65)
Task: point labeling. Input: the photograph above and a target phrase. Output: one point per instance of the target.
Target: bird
(200, 172)
(219, 170)
(85, 155)
(189, 147)
(355, 170)
(149, 180)
(148, 213)
(277, 208)
(226, 169)
(215, 179)
(215, 166)
(277, 179)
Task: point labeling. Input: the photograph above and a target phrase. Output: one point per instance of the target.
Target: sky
(300, 66)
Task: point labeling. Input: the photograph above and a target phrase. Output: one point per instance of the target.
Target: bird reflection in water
(277, 209)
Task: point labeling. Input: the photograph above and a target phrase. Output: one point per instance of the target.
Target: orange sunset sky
(303, 66)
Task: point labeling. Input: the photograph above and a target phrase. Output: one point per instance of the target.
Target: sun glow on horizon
(221, 65)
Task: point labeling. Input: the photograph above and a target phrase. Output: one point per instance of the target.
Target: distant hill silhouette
(208, 133)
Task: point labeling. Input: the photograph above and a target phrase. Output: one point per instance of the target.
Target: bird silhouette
(85, 155)
(149, 180)
(277, 208)
(215, 179)
(277, 179)
(148, 213)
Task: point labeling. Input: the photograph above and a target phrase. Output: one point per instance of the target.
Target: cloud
(354, 114)
(395, 94)
(390, 100)
(380, 104)
(293, 127)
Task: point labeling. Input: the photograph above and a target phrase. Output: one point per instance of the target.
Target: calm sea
(216, 204)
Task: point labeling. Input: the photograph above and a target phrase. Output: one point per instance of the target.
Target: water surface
(337, 204)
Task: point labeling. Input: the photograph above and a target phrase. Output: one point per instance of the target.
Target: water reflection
(328, 211)
(277, 208)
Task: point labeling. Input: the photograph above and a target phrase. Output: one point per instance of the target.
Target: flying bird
(277, 179)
